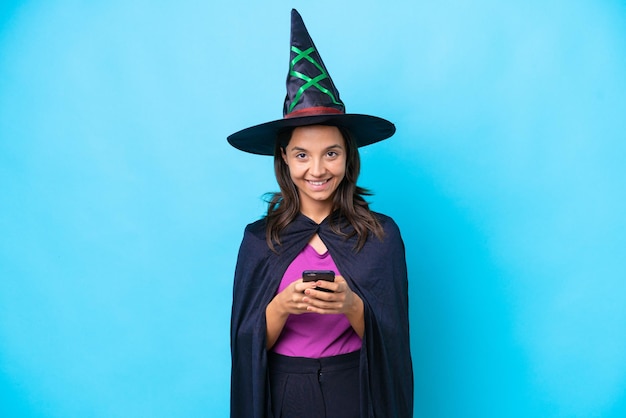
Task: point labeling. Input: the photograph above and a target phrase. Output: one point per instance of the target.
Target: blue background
(122, 206)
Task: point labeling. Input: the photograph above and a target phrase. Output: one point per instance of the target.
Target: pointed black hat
(312, 99)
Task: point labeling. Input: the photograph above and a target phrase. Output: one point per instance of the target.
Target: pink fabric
(310, 334)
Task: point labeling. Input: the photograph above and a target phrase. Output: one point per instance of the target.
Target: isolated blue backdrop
(122, 206)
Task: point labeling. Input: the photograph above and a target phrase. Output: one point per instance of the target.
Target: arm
(275, 319)
(355, 315)
(288, 302)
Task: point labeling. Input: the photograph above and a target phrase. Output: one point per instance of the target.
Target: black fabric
(308, 82)
(365, 129)
(311, 99)
(315, 388)
(377, 273)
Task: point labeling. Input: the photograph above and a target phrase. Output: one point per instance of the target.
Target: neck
(316, 213)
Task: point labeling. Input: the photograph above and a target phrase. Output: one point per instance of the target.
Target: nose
(317, 168)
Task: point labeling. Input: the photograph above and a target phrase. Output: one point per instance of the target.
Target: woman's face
(316, 157)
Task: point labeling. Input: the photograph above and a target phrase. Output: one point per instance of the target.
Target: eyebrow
(327, 148)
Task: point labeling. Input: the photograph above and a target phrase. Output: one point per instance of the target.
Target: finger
(328, 286)
(314, 301)
(315, 294)
(301, 286)
(301, 306)
(321, 307)
(342, 284)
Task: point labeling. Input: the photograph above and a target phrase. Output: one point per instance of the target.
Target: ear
(283, 154)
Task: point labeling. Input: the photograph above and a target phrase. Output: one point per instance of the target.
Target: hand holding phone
(315, 275)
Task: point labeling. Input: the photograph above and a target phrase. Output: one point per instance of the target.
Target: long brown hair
(349, 201)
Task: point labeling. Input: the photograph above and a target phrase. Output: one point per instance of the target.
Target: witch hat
(312, 99)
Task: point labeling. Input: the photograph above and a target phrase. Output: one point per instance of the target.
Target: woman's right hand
(285, 303)
(290, 300)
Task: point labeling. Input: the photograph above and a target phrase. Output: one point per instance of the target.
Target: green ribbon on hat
(310, 82)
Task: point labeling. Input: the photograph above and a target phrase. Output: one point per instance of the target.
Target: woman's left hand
(340, 300)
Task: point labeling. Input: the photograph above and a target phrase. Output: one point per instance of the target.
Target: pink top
(310, 334)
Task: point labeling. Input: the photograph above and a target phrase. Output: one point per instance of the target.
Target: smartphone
(315, 275)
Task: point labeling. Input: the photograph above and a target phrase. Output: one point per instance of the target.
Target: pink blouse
(310, 334)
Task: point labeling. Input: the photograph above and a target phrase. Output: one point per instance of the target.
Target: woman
(320, 348)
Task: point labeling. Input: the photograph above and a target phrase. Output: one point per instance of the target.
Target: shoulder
(257, 227)
(253, 248)
(254, 233)
(392, 238)
(388, 224)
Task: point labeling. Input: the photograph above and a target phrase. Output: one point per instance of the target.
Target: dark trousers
(315, 388)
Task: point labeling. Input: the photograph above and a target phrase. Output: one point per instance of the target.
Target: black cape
(377, 273)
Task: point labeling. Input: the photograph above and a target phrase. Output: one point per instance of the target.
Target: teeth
(317, 183)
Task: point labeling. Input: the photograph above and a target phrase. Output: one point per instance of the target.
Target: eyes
(331, 155)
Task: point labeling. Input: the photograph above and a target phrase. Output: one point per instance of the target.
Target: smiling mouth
(317, 183)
